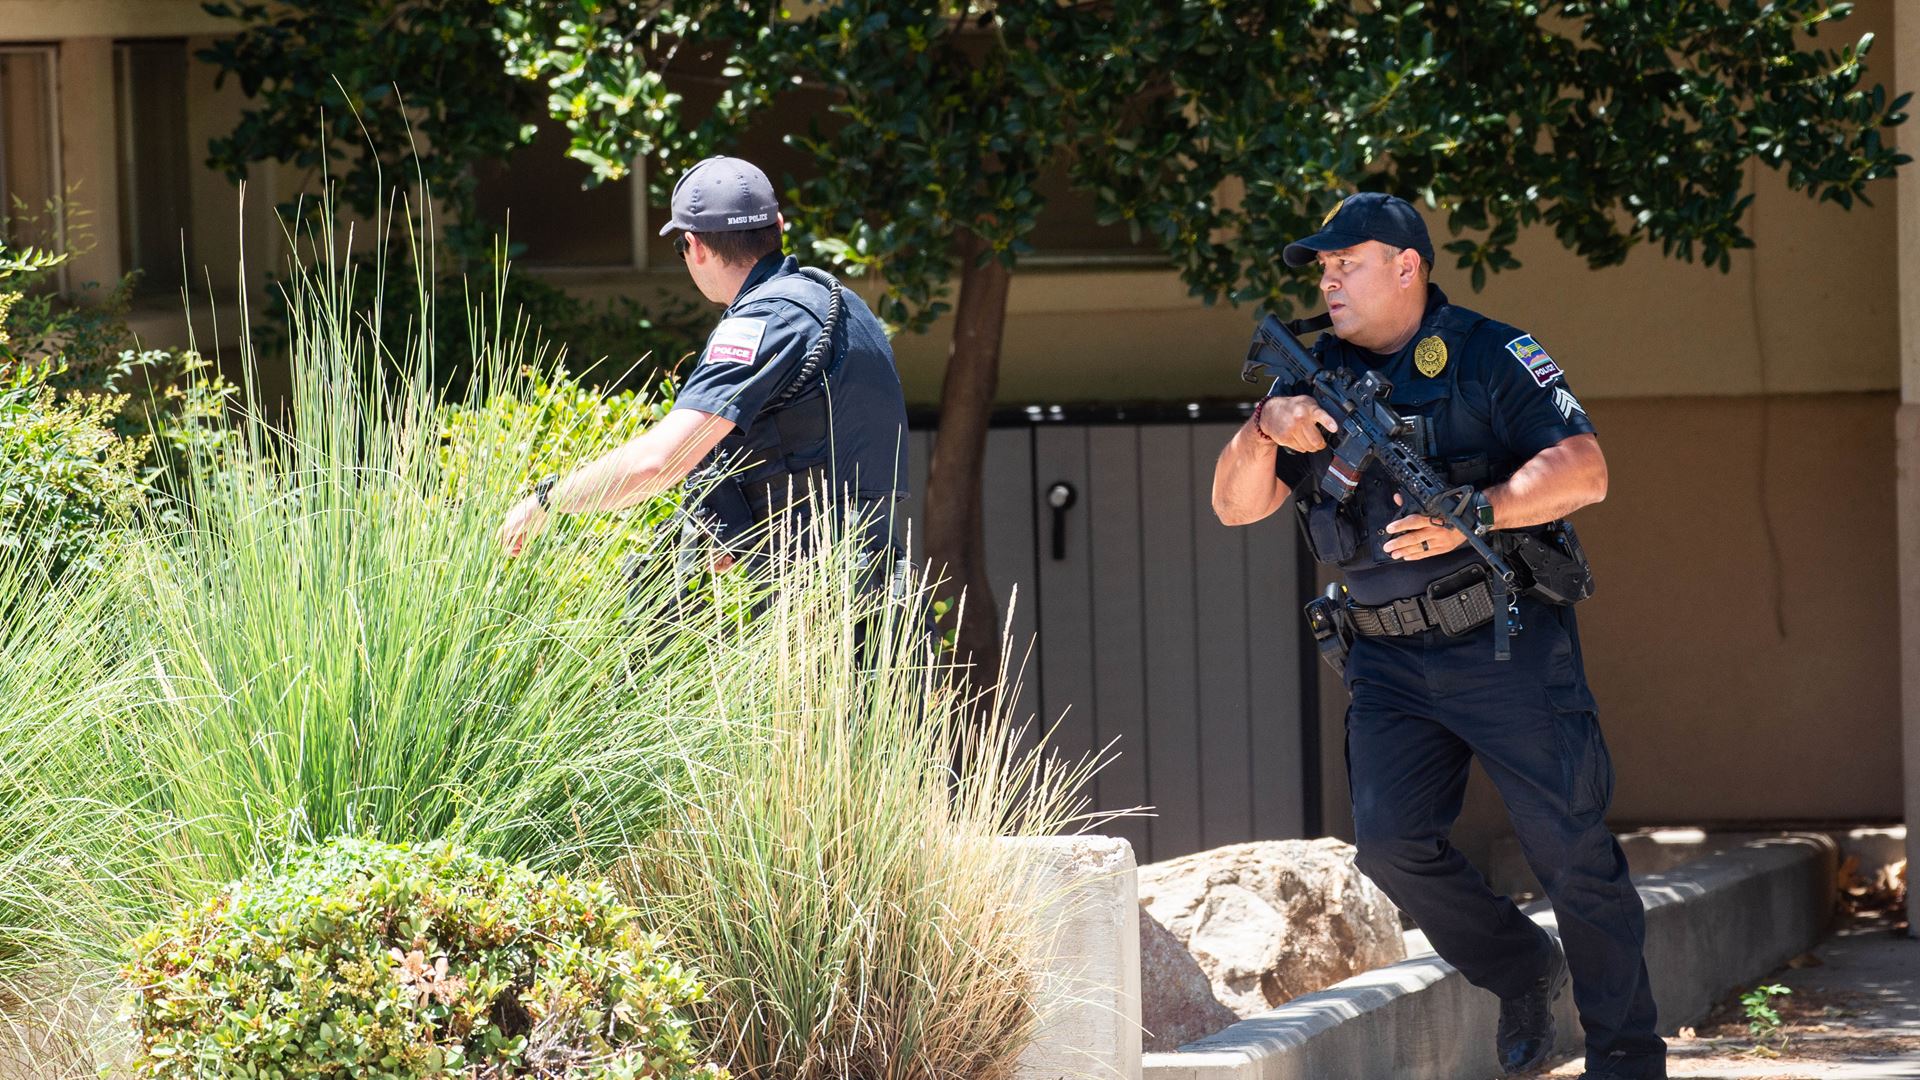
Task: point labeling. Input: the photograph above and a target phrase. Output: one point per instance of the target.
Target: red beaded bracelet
(1257, 429)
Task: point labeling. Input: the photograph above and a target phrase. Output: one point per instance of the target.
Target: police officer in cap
(1490, 408)
(795, 396)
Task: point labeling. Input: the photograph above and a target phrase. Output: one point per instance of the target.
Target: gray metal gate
(1155, 628)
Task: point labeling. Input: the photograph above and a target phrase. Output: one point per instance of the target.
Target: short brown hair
(742, 246)
(1426, 264)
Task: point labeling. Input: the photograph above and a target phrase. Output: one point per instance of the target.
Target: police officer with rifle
(1432, 455)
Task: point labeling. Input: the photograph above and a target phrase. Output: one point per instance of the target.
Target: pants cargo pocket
(1586, 764)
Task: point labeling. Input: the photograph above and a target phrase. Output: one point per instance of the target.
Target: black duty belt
(1444, 606)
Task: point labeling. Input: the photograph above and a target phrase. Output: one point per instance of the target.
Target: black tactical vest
(1454, 431)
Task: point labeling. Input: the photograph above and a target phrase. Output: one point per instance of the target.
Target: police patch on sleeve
(736, 341)
(1534, 359)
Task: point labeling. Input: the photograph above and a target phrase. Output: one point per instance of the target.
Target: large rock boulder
(1177, 1005)
(1274, 919)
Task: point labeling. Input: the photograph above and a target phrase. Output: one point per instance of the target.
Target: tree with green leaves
(1222, 130)
(372, 97)
(387, 104)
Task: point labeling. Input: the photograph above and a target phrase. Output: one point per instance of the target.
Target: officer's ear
(1407, 268)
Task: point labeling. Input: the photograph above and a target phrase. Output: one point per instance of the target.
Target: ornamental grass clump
(84, 863)
(336, 642)
(839, 870)
(396, 962)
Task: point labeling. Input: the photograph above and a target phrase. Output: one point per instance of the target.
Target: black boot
(1525, 1035)
(1617, 1067)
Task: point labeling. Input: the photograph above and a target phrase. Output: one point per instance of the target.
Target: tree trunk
(956, 535)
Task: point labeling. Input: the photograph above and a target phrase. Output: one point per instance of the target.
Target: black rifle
(1371, 432)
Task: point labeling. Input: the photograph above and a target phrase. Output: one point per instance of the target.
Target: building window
(29, 149)
(150, 88)
(537, 200)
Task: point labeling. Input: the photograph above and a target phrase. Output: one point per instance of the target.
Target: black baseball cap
(722, 194)
(1370, 215)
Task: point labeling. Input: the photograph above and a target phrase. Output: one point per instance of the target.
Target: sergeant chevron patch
(1568, 404)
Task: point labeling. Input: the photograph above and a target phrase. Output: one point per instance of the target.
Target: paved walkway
(1854, 1014)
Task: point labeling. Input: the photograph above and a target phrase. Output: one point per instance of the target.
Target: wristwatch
(541, 489)
(1480, 513)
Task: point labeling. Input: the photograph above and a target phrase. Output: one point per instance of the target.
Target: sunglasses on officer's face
(680, 245)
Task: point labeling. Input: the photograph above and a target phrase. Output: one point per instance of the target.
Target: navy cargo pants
(1422, 707)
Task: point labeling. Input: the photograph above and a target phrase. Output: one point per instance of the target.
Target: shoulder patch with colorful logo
(1534, 359)
(736, 341)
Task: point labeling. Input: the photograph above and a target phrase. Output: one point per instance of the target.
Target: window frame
(52, 148)
(126, 167)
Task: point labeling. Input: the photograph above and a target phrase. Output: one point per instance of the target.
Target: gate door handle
(1060, 497)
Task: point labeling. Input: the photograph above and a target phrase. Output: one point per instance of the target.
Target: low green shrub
(555, 420)
(68, 482)
(73, 448)
(370, 960)
(79, 334)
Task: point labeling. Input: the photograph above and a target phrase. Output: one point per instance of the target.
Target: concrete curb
(1659, 849)
(1712, 925)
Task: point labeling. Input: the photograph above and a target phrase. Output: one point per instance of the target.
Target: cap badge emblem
(1332, 212)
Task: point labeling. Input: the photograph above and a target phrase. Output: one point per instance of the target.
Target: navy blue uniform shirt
(761, 338)
(1494, 398)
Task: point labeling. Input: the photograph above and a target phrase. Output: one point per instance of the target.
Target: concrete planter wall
(1712, 925)
(1090, 1002)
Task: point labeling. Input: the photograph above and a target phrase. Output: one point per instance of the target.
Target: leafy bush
(68, 483)
(73, 450)
(79, 335)
(554, 423)
(390, 962)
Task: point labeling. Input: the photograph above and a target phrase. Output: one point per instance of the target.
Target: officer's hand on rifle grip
(1296, 423)
(1419, 536)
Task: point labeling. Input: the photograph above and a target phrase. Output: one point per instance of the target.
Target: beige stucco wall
(1743, 641)
(51, 20)
(1907, 453)
(1811, 309)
